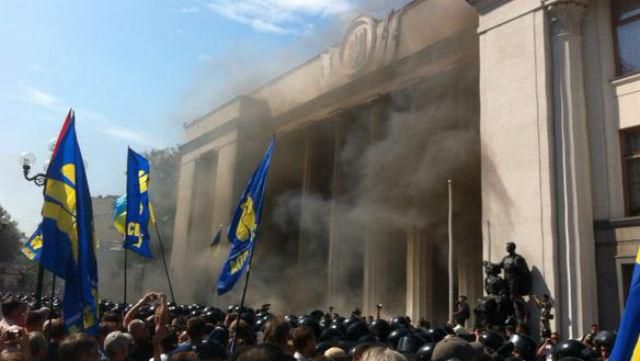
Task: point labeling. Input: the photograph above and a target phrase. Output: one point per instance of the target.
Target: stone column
(419, 275)
(222, 206)
(381, 243)
(305, 216)
(224, 191)
(577, 307)
(335, 269)
(181, 225)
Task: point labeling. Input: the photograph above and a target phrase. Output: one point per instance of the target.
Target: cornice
(485, 6)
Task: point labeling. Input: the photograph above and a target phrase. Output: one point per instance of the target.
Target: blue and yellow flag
(67, 228)
(627, 346)
(138, 212)
(32, 249)
(120, 213)
(243, 226)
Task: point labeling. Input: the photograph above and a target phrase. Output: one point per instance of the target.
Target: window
(631, 159)
(626, 23)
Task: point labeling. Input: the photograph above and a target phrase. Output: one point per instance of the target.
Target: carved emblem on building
(358, 45)
(368, 43)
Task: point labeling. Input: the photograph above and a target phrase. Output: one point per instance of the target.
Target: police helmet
(410, 344)
(357, 330)
(425, 351)
(394, 337)
(400, 322)
(605, 339)
(312, 324)
(492, 340)
(572, 348)
(524, 345)
(437, 333)
(380, 329)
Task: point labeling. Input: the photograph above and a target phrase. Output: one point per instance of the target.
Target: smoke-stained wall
(367, 135)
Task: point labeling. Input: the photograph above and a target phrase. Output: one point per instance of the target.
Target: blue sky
(134, 71)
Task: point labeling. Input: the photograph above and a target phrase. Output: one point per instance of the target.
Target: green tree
(11, 258)
(10, 236)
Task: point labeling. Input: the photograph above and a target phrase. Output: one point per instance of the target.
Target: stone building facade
(530, 106)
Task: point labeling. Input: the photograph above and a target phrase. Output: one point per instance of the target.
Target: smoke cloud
(392, 161)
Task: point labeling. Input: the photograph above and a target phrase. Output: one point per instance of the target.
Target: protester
(545, 351)
(462, 313)
(14, 313)
(35, 319)
(276, 338)
(150, 331)
(304, 343)
(79, 347)
(116, 346)
(588, 338)
(37, 346)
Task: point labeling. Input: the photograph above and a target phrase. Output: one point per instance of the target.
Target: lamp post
(27, 160)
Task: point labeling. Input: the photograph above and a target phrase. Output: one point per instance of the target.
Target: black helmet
(395, 336)
(292, 319)
(492, 340)
(437, 333)
(357, 330)
(380, 329)
(312, 324)
(400, 322)
(572, 348)
(323, 346)
(349, 321)
(605, 339)
(219, 334)
(368, 339)
(346, 345)
(525, 345)
(324, 323)
(259, 325)
(422, 333)
(248, 317)
(410, 344)
(424, 353)
(317, 314)
(331, 333)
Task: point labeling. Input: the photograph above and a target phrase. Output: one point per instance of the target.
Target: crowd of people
(156, 330)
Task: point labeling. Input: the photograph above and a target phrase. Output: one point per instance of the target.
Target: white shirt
(299, 357)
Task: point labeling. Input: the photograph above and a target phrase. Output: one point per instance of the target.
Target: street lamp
(27, 160)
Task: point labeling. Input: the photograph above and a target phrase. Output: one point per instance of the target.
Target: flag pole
(242, 299)
(450, 231)
(164, 262)
(53, 295)
(125, 275)
(39, 285)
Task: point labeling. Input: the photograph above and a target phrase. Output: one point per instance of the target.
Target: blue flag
(627, 346)
(137, 201)
(243, 226)
(33, 248)
(120, 213)
(67, 227)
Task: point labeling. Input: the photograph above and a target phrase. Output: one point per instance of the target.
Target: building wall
(551, 113)
(515, 127)
(548, 85)
(315, 110)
